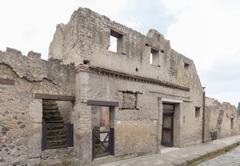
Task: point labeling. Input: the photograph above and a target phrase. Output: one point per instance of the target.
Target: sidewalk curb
(209, 155)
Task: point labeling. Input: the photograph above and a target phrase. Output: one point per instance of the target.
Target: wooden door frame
(169, 114)
(112, 105)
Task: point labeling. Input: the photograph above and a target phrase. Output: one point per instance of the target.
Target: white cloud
(208, 32)
(29, 25)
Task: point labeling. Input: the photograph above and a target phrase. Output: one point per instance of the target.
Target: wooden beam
(103, 103)
(7, 81)
(54, 97)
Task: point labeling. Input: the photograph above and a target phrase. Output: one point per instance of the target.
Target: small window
(197, 112)
(115, 41)
(154, 57)
(232, 123)
(186, 65)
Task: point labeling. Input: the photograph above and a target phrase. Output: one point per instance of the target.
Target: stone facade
(134, 85)
(128, 78)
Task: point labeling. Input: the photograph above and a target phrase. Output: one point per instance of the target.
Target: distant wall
(222, 119)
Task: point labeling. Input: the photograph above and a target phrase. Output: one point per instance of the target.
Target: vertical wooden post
(70, 140)
(111, 141)
(44, 136)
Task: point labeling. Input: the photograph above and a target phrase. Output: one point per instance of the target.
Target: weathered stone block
(35, 111)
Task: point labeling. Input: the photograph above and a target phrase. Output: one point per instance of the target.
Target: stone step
(57, 145)
(54, 126)
(59, 141)
(57, 131)
(57, 138)
(51, 112)
(50, 107)
(52, 119)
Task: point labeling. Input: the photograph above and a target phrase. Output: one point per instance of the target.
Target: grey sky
(207, 31)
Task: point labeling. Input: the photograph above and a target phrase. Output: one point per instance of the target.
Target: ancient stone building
(94, 98)
(153, 93)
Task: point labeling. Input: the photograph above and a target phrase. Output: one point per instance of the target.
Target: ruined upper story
(214, 105)
(50, 77)
(85, 39)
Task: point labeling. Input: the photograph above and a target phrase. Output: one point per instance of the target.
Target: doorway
(168, 125)
(102, 131)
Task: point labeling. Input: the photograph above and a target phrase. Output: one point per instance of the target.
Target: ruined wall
(85, 40)
(21, 112)
(218, 119)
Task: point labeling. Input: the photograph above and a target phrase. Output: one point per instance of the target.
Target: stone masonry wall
(20, 112)
(219, 117)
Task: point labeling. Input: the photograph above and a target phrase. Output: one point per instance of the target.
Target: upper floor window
(116, 40)
(154, 57)
(186, 65)
(197, 112)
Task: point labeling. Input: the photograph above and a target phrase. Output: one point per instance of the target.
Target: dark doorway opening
(57, 129)
(168, 125)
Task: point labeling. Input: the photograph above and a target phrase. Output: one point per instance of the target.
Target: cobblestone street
(182, 156)
(231, 158)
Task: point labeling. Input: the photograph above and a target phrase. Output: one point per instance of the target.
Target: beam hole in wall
(86, 62)
(116, 39)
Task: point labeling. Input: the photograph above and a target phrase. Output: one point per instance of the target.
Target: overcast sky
(207, 31)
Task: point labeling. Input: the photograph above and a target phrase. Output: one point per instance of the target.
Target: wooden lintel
(7, 81)
(103, 103)
(54, 97)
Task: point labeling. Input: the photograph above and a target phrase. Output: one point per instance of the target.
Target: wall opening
(197, 112)
(232, 123)
(154, 57)
(57, 129)
(186, 65)
(116, 40)
(102, 131)
(168, 125)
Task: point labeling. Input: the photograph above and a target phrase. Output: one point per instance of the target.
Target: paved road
(231, 158)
